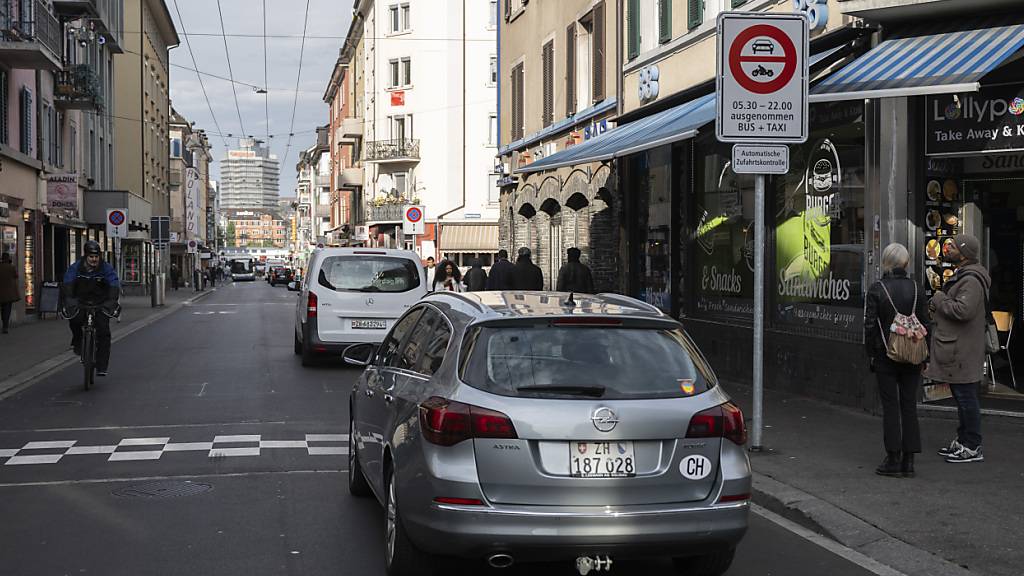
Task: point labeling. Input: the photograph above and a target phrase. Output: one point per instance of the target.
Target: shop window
(132, 263)
(818, 272)
(652, 170)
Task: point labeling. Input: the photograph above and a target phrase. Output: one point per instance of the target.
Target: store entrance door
(994, 211)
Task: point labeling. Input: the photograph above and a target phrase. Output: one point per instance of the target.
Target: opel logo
(369, 301)
(604, 419)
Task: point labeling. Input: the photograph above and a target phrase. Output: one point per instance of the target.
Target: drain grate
(163, 489)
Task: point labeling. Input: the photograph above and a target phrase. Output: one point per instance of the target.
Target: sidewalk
(39, 345)
(818, 467)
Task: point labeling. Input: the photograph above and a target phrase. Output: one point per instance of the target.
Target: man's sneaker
(953, 448)
(965, 454)
(101, 372)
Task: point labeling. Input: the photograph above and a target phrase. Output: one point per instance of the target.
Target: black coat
(501, 275)
(879, 313)
(527, 276)
(575, 277)
(475, 280)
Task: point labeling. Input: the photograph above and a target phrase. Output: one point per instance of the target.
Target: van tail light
(722, 421)
(311, 305)
(446, 422)
(724, 498)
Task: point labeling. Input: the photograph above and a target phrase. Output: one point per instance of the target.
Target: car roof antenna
(569, 301)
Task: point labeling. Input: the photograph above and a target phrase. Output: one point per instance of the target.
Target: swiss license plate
(601, 459)
(369, 325)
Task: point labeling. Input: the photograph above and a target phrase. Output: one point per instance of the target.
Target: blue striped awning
(935, 63)
(665, 127)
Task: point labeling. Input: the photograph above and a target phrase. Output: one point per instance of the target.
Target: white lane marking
(133, 456)
(283, 444)
(203, 391)
(188, 447)
(156, 478)
(52, 444)
(220, 452)
(865, 562)
(90, 450)
(327, 450)
(326, 437)
(227, 312)
(9, 453)
(34, 459)
(142, 441)
(237, 438)
(147, 426)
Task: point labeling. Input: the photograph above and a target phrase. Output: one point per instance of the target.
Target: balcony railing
(29, 34)
(78, 88)
(385, 213)
(392, 150)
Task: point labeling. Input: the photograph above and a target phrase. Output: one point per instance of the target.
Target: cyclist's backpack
(907, 341)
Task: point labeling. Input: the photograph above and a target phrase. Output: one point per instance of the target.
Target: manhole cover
(163, 489)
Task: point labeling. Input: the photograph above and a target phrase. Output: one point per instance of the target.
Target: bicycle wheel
(88, 355)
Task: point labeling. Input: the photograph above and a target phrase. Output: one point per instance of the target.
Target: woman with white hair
(895, 323)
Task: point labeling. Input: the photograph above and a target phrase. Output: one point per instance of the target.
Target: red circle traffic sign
(116, 217)
(414, 214)
(737, 58)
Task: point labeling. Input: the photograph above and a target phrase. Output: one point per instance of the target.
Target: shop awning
(469, 238)
(665, 127)
(923, 63)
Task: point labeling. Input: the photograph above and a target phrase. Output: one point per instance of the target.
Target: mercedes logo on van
(604, 419)
(369, 301)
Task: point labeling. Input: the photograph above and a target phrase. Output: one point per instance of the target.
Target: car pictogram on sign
(760, 46)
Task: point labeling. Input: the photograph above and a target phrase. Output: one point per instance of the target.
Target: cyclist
(92, 282)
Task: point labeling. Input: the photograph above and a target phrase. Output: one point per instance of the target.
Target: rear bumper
(551, 533)
(319, 346)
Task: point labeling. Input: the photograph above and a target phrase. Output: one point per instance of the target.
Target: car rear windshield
(555, 361)
(369, 274)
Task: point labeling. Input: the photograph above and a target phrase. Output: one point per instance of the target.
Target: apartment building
(190, 185)
(345, 134)
(256, 229)
(429, 121)
(558, 74)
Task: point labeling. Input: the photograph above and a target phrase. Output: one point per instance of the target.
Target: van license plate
(369, 325)
(601, 459)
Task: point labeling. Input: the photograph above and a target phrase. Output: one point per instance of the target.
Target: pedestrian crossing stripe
(139, 449)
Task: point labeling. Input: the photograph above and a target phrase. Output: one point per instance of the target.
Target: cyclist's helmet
(92, 248)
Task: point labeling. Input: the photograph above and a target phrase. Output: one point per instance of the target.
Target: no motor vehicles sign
(762, 77)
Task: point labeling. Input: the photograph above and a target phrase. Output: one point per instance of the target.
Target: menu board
(943, 219)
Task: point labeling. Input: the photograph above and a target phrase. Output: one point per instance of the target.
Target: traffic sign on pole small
(762, 77)
(414, 221)
(117, 223)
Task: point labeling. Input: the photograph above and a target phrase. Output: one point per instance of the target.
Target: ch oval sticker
(695, 467)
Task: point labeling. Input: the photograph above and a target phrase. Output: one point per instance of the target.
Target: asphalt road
(209, 450)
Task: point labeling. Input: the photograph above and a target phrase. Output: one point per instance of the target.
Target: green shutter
(664, 21)
(633, 29)
(694, 13)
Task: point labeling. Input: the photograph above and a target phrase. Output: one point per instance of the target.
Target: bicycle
(88, 342)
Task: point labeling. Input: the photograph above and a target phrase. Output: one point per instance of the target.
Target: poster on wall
(990, 120)
(62, 195)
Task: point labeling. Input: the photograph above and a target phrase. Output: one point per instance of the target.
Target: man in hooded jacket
(500, 277)
(525, 274)
(959, 319)
(575, 276)
(475, 278)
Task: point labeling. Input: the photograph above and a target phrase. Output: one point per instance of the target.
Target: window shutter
(694, 13)
(4, 108)
(26, 122)
(517, 102)
(632, 28)
(548, 58)
(570, 70)
(598, 38)
(736, 3)
(665, 21)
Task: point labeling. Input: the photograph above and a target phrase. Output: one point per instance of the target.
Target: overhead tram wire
(231, 73)
(266, 82)
(198, 75)
(298, 77)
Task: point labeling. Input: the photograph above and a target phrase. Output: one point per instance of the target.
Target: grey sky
(201, 22)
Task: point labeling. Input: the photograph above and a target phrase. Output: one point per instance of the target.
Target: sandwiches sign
(990, 120)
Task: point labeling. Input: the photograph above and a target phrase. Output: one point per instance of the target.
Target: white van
(354, 295)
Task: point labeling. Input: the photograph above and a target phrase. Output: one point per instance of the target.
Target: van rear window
(369, 274)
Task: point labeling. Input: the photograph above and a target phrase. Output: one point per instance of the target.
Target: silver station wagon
(517, 427)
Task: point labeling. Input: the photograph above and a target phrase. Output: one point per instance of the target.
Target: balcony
(384, 213)
(29, 40)
(350, 178)
(89, 8)
(78, 88)
(351, 129)
(393, 151)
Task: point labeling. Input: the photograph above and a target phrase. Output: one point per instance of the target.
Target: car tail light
(446, 422)
(459, 501)
(722, 421)
(311, 305)
(733, 498)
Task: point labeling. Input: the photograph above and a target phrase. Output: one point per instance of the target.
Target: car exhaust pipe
(499, 560)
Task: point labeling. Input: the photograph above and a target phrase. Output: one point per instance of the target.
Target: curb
(22, 380)
(849, 530)
(949, 412)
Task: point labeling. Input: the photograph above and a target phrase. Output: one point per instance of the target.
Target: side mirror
(359, 354)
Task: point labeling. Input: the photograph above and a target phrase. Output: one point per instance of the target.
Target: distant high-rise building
(249, 177)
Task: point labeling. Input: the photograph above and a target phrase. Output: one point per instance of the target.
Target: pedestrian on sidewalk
(894, 301)
(431, 268)
(500, 277)
(175, 276)
(525, 274)
(212, 273)
(448, 277)
(8, 290)
(575, 276)
(958, 343)
(475, 278)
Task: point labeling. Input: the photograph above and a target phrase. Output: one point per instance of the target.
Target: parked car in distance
(354, 295)
(279, 275)
(541, 426)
